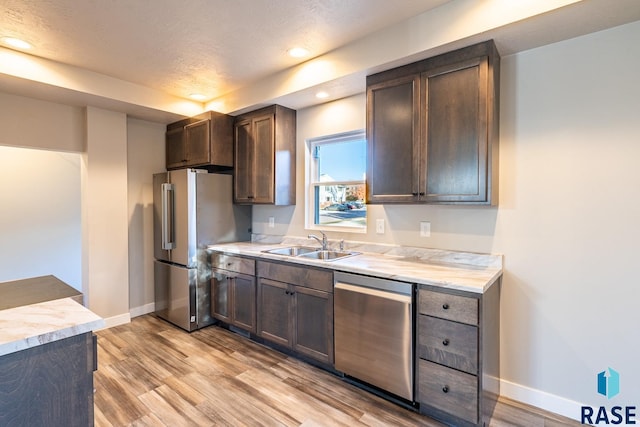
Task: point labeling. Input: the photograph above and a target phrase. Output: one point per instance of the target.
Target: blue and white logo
(609, 383)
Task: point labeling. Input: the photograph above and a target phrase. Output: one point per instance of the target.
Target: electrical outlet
(272, 222)
(380, 226)
(425, 229)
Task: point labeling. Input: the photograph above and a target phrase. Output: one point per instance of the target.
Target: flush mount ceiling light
(322, 94)
(16, 43)
(198, 96)
(298, 52)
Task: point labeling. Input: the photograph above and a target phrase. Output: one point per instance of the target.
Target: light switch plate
(425, 229)
(272, 222)
(380, 226)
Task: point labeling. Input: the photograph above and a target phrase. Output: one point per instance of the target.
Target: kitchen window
(336, 166)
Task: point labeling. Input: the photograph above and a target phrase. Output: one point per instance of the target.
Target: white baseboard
(120, 319)
(142, 310)
(541, 399)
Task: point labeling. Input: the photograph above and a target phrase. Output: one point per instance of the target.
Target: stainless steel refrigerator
(191, 209)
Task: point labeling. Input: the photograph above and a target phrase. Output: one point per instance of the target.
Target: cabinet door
(456, 124)
(263, 129)
(313, 311)
(221, 295)
(393, 135)
(265, 153)
(175, 148)
(243, 307)
(275, 301)
(49, 384)
(197, 141)
(244, 163)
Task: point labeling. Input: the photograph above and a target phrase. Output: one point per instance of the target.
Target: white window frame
(311, 181)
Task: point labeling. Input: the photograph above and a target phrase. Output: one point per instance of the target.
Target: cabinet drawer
(448, 390)
(313, 278)
(447, 306)
(448, 343)
(233, 263)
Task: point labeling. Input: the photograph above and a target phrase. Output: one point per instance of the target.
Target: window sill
(337, 229)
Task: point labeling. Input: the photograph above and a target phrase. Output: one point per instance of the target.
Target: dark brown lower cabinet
(234, 299)
(458, 350)
(275, 304)
(233, 291)
(296, 316)
(50, 384)
(313, 311)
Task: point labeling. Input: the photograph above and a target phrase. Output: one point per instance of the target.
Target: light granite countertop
(463, 271)
(31, 325)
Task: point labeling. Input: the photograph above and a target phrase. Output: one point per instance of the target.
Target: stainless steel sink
(311, 253)
(291, 250)
(328, 255)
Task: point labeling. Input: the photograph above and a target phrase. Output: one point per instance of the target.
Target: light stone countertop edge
(32, 325)
(475, 279)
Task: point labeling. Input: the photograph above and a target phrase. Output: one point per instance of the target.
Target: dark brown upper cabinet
(265, 157)
(204, 141)
(432, 130)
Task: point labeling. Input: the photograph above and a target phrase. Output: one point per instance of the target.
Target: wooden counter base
(51, 384)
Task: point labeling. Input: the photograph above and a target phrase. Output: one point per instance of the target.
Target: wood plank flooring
(151, 373)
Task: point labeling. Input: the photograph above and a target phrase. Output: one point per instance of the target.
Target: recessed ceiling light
(298, 52)
(16, 43)
(198, 96)
(322, 95)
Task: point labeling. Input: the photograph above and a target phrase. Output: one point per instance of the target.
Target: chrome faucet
(323, 242)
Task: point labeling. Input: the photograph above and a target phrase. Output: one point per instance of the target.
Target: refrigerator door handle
(167, 217)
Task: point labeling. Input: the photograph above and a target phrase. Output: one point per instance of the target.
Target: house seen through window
(336, 176)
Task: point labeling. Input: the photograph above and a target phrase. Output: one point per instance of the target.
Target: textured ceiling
(185, 46)
(144, 57)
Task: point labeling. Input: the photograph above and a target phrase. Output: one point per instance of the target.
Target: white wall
(66, 212)
(27, 122)
(79, 162)
(40, 231)
(105, 263)
(567, 222)
(145, 156)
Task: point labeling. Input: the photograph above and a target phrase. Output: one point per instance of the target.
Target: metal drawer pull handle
(445, 306)
(445, 389)
(446, 341)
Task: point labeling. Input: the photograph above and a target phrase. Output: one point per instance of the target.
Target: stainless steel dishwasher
(374, 332)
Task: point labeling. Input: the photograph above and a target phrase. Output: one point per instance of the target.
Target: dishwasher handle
(400, 297)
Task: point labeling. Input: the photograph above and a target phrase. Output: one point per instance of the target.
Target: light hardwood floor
(151, 373)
